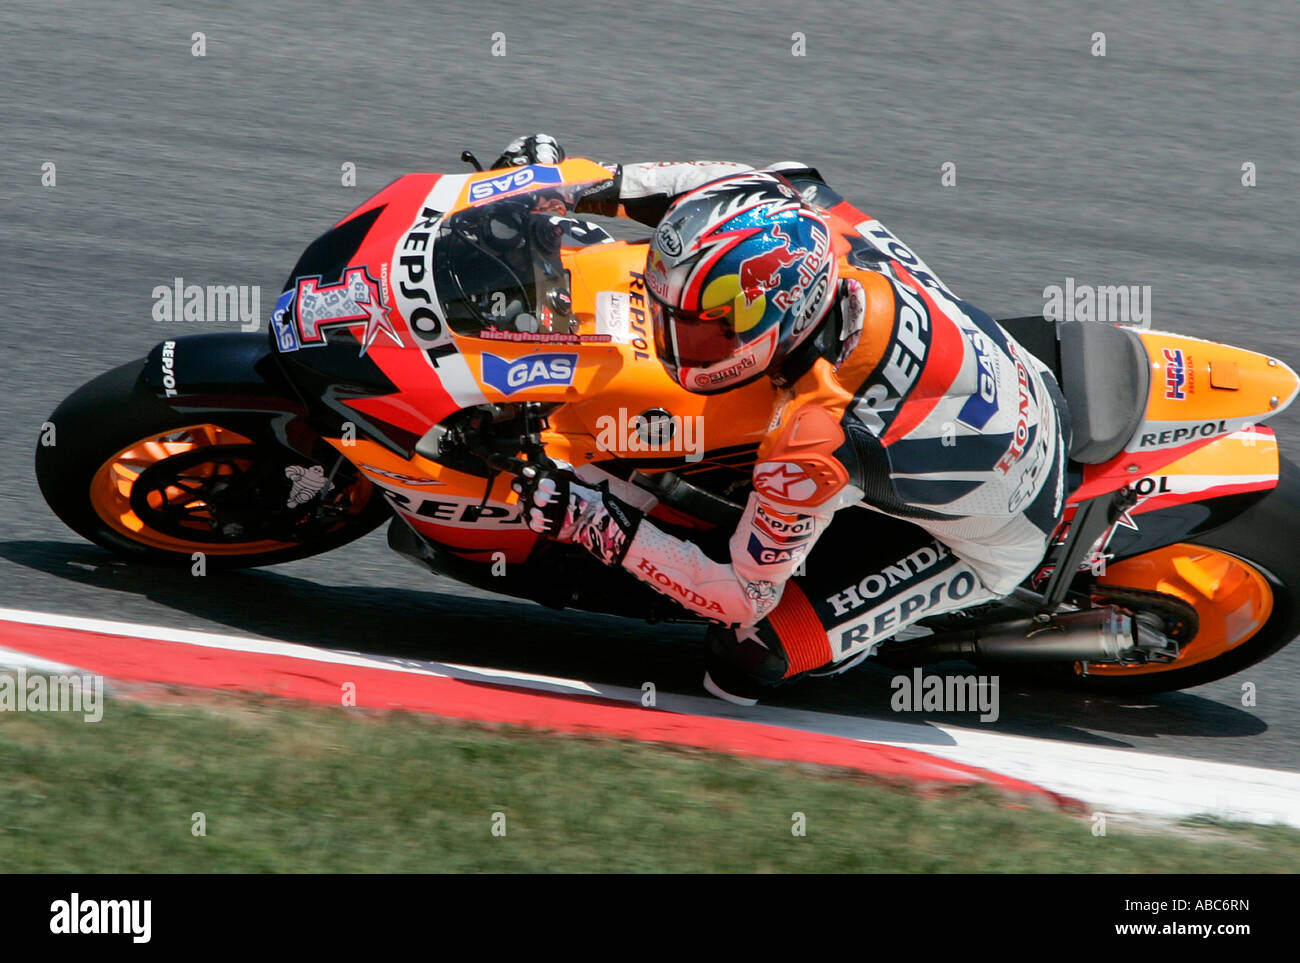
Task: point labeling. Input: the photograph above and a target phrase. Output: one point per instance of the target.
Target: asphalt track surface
(1123, 169)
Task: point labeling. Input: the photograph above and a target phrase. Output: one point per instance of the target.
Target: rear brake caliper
(1162, 624)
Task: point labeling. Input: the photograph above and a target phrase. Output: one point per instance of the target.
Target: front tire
(130, 473)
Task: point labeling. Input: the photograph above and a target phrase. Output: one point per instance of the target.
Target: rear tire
(1256, 537)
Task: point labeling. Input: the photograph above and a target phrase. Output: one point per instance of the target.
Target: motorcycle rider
(894, 396)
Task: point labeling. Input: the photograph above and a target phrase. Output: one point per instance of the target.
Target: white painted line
(293, 650)
(1114, 780)
(13, 659)
(1123, 780)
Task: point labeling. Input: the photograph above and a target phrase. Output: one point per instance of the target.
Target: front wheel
(133, 475)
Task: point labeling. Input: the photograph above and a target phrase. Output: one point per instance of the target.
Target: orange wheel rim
(111, 489)
(1232, 598)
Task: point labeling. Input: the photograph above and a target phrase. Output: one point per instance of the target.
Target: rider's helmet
(739, 273)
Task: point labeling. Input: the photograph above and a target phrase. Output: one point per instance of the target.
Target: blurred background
(1122, 169)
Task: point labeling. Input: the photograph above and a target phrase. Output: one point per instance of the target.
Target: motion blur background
(1123, 169)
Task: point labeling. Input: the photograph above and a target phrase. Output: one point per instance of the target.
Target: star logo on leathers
(777, 482)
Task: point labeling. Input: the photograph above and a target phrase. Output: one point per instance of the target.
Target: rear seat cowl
(1106, 379)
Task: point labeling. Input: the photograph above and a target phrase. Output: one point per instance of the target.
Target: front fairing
(360, 326)
(363, 334)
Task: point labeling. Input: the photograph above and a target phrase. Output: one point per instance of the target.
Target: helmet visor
(693, 339)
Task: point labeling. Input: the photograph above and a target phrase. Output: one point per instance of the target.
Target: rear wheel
(1242, 581)
(130, 473)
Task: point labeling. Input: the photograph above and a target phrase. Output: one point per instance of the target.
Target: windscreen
(497, 268)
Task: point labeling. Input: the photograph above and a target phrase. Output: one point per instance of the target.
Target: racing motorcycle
(456, 327)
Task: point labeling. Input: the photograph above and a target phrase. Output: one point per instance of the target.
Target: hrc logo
(1175, 374)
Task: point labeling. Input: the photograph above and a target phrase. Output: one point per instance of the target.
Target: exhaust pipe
(1094, 635)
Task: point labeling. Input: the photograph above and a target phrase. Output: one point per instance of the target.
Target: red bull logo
(656, 275)
(762, 272)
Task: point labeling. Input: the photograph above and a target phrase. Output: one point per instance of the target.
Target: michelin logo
(530, 371)
(516, 180)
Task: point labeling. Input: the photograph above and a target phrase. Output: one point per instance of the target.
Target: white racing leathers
(768, 547)
(643, 192)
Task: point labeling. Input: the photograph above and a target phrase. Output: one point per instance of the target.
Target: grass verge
(295, 788)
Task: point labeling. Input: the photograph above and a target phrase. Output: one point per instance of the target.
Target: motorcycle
(457, 327)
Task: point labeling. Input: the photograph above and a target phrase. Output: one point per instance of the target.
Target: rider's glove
(556, 504)
(602, 197)
(535, 149)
